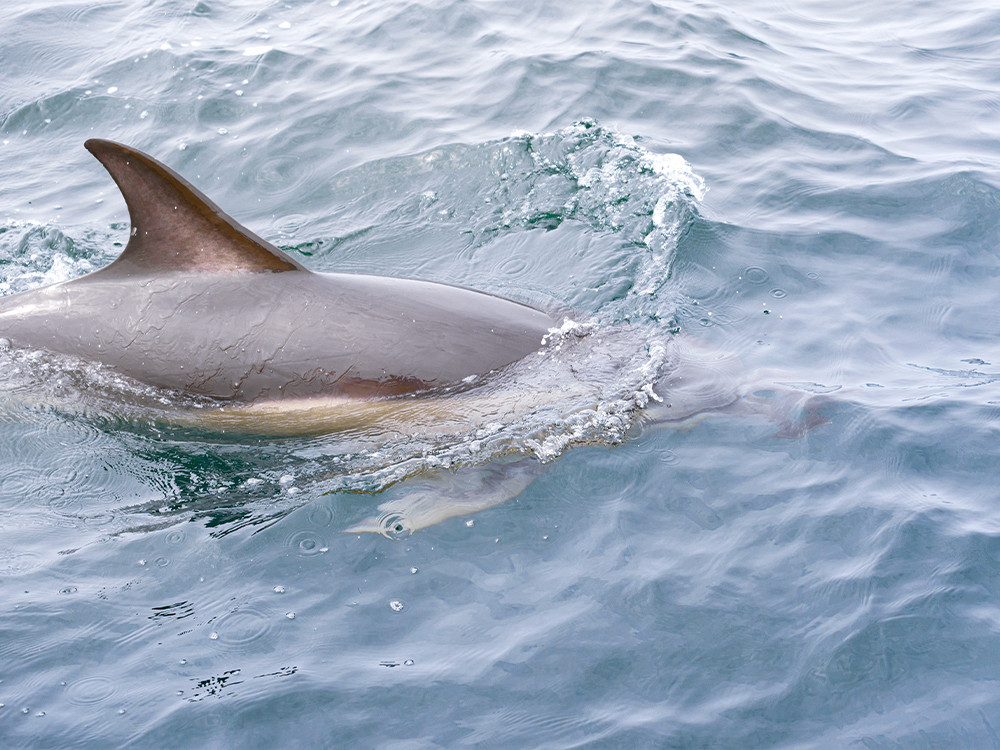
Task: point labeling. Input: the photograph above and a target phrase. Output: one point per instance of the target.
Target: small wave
(472, 203)
(610, 184)
(34, 255)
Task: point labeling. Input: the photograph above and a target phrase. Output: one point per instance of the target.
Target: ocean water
(809, 191)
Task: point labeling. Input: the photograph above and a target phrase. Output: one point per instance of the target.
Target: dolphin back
(198, 303)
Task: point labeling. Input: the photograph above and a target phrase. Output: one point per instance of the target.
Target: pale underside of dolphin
(199, 304)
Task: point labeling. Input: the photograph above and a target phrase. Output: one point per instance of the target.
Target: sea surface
(808, 190)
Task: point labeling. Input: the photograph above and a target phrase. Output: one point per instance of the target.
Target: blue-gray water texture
(810, 187)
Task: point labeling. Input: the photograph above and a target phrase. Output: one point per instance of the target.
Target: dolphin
(197, 303)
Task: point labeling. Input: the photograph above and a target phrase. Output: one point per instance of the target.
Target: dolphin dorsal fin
(174, 226)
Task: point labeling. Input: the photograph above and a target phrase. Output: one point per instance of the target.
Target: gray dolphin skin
(199, 304)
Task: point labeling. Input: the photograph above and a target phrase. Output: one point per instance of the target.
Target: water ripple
(89, 691)
(242, 628)
(306, 543)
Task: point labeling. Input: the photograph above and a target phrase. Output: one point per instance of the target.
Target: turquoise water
(809, 188)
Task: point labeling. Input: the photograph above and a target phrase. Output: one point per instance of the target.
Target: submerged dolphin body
(199, 304)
